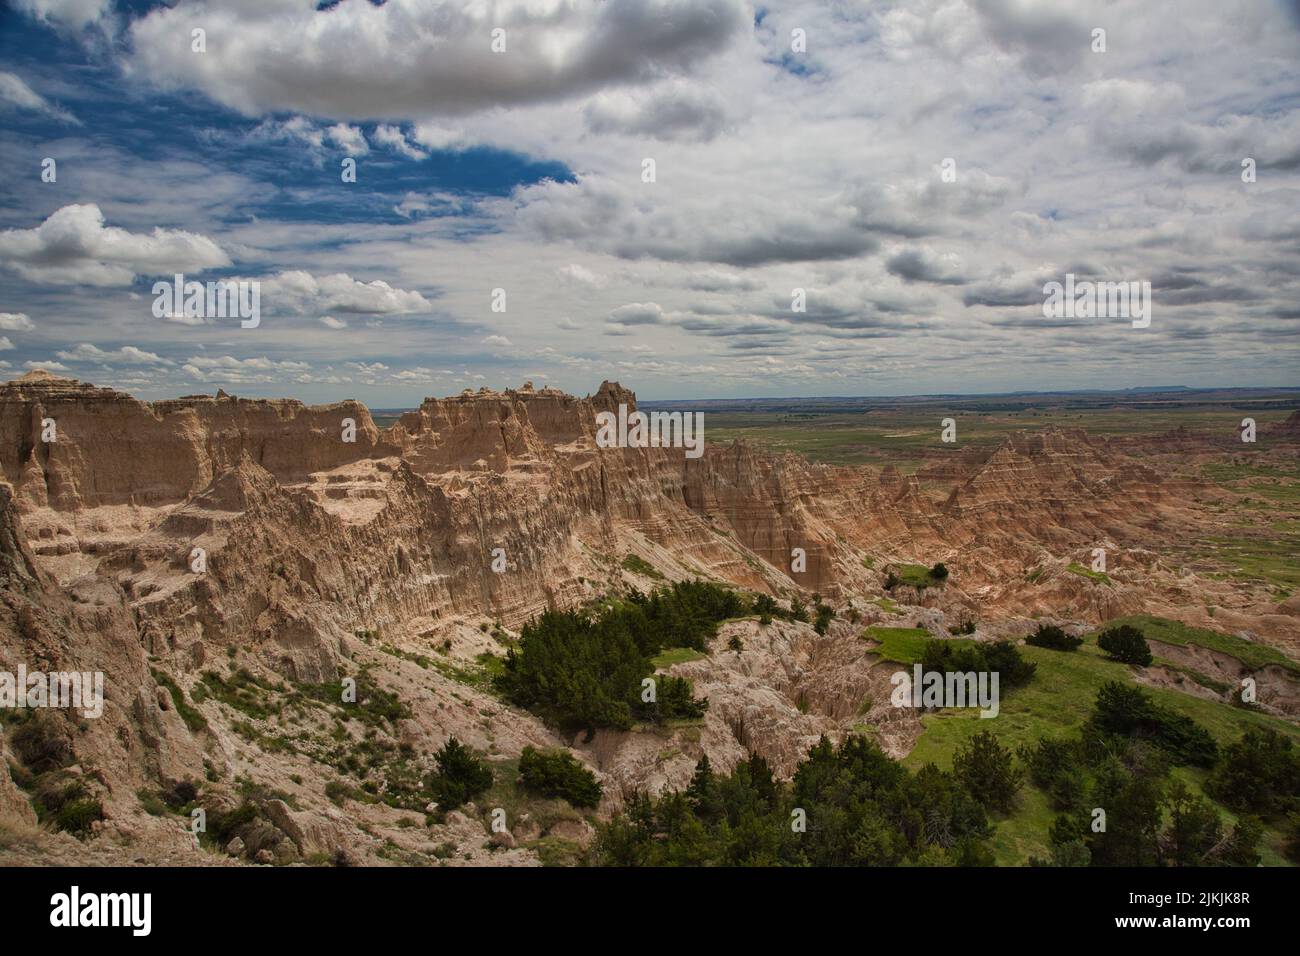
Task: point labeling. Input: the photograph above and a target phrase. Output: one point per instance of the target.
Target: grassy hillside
(1055, 703)
(1181, 635)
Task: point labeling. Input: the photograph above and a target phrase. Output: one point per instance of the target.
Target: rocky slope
(229, 557)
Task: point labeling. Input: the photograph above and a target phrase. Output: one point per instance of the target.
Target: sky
(569, 191)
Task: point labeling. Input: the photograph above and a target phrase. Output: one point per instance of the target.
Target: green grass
(900, 644)
(675, 655)
(1079, 569)
(1181, 635)
(1054, 704)
(886, 604)
(916, 575)
(1270, 560)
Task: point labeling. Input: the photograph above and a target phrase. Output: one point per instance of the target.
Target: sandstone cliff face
(318, 557)
(109, 448)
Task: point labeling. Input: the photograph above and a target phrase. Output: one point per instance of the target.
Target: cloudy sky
(798, 145)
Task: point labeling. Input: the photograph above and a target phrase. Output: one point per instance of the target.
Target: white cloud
(302, 292)
(393, 138)
(350, 139)
(72, 13)
(498, 340)
(409, 58)
(14, 90)
(332, 323)
(16, 322)
(74, 247)
(5, 344)
(579, 273)
(127, 355)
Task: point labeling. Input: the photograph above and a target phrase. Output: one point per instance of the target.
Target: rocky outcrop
(163, 543)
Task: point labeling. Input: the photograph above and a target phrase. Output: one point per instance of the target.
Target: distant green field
(910, 437)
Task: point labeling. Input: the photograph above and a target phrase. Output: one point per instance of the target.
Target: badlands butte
(325, 561)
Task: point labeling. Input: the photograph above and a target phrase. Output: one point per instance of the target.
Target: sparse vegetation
(638, 565)
(194, 720)
(1099, 576)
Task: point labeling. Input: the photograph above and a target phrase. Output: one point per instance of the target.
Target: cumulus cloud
(16, 322)
(393, 138)
(409, 58)
(301, 292)
(348, 138)
(126, 355)
(74, 247)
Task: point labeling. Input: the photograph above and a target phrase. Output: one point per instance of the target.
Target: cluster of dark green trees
(965, 656)
(846, 806)
(1260, 775)
(1118, 801)
(582, 671)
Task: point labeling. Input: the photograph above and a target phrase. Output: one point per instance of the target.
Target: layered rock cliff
(164, 543)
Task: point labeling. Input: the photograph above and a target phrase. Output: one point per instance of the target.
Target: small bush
(1125, 644)
(41, 744)
(1053, 638)
(557, 774)
(461, 776)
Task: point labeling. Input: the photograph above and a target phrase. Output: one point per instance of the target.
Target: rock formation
(161, 542)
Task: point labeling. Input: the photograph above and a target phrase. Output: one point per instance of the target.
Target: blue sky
(522, 171)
